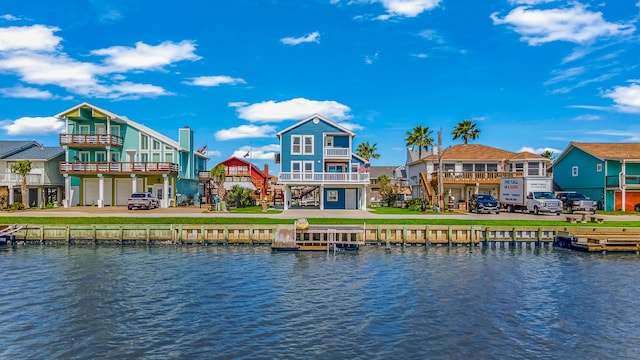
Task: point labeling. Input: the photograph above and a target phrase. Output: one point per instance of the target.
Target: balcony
(91, 140)
(629, 181)
(336, 153)
(119, 168)
(474, 177)
(16, 179)
(323, 178)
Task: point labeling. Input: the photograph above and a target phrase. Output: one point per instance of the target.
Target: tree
(218, 175)
(22, 168)
(420, 137)
(389, 191)
(549, 155)
(241, 197)
(466, 130)
(366, 151)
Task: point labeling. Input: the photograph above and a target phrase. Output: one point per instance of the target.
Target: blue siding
(307, 128)
(332, 205)
(341, 141)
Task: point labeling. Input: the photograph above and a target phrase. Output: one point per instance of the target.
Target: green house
(108, 157)
(606, 172)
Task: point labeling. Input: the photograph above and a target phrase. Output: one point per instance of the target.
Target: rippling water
(240, 302)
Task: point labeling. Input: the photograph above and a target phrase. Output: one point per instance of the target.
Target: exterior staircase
(428, 189)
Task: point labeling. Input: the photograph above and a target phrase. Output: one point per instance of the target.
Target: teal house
(606, 172)
(108, 157)
(318, 167)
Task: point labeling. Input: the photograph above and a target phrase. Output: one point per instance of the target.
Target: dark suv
(484, 203)
(574, 201)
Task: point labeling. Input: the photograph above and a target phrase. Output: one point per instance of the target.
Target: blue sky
(533, 74)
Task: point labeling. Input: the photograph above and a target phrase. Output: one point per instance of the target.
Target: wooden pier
(600, 240)
(331, 237)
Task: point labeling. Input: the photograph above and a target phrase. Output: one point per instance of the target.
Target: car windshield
(543, 195)
(576, 196)
(485, 197)
(138, 195)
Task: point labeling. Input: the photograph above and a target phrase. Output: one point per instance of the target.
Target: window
(155, 157)
(308, 170)
(83, 129)
(144, 158)
(518, 167)
(156, 145)
(467, 167)
(296, 141)
(308, 144)
(354, 167)
(296, 166)
(115, 130)
(574, 171)
(168, 157)
(101, 156)
(328, 141)
(599, 167)
(332, 195)
(534, 168)
(144, 142)
(84, 156)
(481, 167)
(492, 167)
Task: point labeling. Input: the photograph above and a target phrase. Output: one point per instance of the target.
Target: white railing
(16, 179)
(335, 152)
(323, 177)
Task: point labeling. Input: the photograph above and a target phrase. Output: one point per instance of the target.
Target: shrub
(17, 206)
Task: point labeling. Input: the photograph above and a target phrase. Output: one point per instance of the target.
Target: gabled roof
(124, 120)
(311, 118)
(526, 155)
(376, 171)
(27, 150)
(245, 162)
(608, 151)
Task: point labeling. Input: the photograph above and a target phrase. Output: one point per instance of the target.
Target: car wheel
(498, 212)
(637, 208)
(569, 210)
(535, 210)
(130, 207)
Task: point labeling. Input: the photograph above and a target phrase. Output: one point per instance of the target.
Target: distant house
(396, 175)
(468, 169)
(244, 174)
(318, 163)
(606, 172)
(44, 182)
(108, 157)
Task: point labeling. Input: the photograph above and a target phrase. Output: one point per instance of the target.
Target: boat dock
(329, 237)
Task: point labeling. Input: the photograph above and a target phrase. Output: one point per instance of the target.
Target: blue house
(606, 172)
(108, 157)
(318, 166)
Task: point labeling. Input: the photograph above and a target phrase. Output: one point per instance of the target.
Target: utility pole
(440, 173)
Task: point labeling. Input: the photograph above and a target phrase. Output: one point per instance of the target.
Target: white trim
(304, 144)
(300, 144)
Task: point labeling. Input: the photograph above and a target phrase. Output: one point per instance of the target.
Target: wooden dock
(330, 237)
(600, 240)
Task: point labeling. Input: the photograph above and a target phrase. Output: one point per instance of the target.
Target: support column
(67, 191)
(287, 196)
(11, 198)
(165, 191)
(100, 190)
(134, 184)
(363, 199)
(321, 197)
(623, 185)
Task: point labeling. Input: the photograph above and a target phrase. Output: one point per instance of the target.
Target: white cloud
(47, 69)
(25, 93)
(432, 35)
(215, 80)
(245, 131)
(566, 74)
(529, 2)
(294, 109)
(33, 126)
(350, 126)
(575, 24)
(214, 153)
(143, 56)
(407, 8)
(34, 38)
(626, 98)
(9, 17)
(539, 150)
(257, 153)
(312, 37)
(587, 117)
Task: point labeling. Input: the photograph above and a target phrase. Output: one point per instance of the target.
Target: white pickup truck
(142, 201)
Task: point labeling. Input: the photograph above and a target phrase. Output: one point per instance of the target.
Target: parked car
(143, 200)
(484, 203)
(575, 201)
(636, 207)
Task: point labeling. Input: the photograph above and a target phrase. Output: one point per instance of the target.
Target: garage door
(124, 189)
(631, 199)
(91, 191)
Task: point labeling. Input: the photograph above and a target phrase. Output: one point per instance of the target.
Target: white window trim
(293, 144)
(299, 163)
(599, 167)
(86, 128)
(156, 153)
(84, 156)
(103, 153)
(304, 144)
(142, 136)
(115, 130)
(574, 170)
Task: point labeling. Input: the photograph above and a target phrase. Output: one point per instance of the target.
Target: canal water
(242, 302)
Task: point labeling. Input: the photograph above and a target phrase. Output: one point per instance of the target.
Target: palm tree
(22, 168)
(420, 137)
(550, 157)
(466, 130)
(218, 175)
(241, 197)
(366, 151)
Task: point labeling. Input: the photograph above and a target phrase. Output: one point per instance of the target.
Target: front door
(350, 199)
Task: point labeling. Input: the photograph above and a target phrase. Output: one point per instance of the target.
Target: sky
(533, 75)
